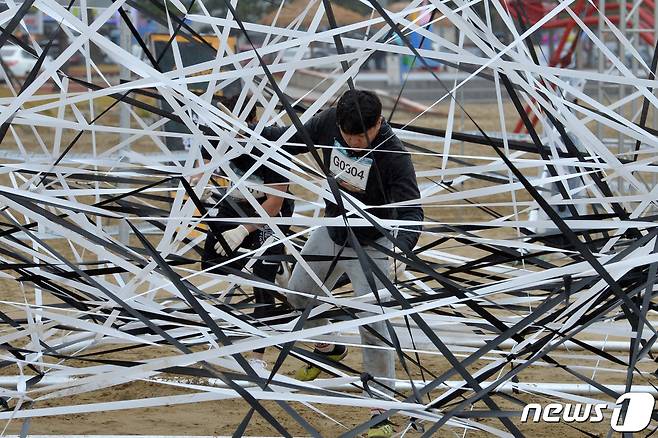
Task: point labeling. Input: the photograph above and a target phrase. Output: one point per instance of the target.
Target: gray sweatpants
(376, 362)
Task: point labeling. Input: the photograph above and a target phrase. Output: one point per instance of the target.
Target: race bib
(351, 172)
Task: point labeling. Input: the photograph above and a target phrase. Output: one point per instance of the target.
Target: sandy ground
(222, 418)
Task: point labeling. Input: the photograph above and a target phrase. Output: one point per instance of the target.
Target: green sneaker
(381, 430)
(310, 372)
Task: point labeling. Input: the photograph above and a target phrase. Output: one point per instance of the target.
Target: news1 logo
(631, 413)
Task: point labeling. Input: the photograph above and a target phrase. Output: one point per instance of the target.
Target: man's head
(359, 117)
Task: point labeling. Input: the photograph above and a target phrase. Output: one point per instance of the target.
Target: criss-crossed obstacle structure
(549, 265)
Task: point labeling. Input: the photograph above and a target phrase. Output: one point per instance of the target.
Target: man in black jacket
(268, 187)
(371, 165)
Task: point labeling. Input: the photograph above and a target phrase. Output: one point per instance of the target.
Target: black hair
(232, 102)
(357, 111)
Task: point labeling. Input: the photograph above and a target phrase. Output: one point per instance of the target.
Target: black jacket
(392, 177)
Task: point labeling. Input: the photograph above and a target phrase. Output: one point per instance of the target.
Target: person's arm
(314, 128)
(205, 159)
(235, 236)
(272, 205)
(404, 187)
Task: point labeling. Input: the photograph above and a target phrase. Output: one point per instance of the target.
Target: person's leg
(376, 362)
(210, 257)
(264, 306)
(318, 244)
(285, 267)
(265, 270)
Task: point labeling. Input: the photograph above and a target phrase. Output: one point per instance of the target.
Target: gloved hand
(233, 237)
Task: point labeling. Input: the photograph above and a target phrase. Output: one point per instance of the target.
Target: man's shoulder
(327, 115)
(389, 142)
(323, 126)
